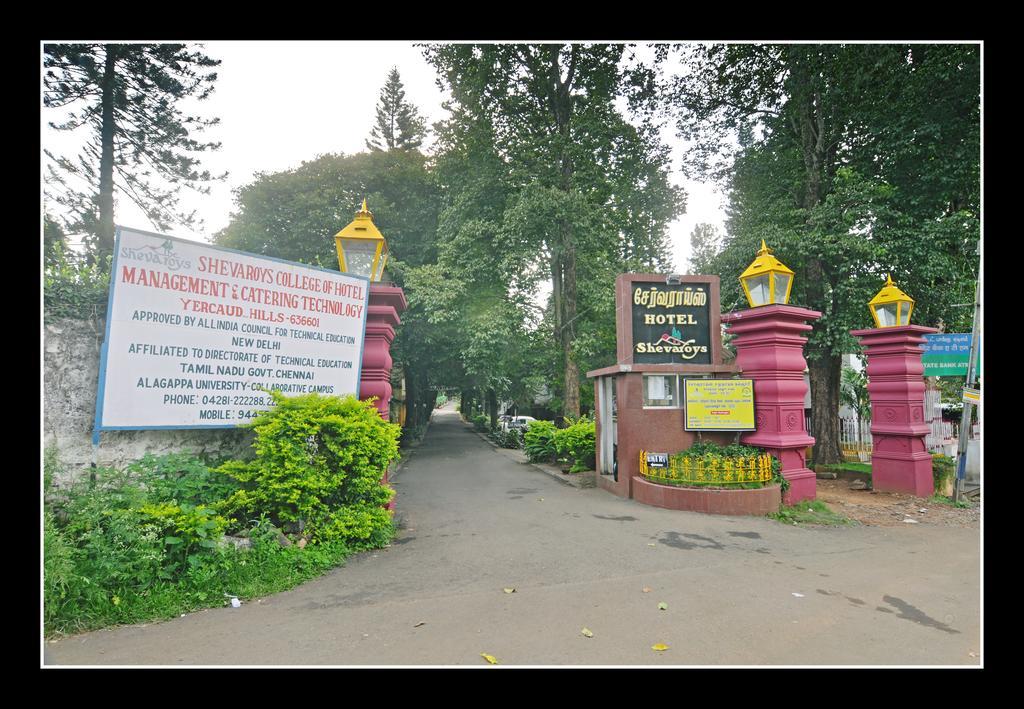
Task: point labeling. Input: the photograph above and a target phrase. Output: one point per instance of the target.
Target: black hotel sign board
(671, 323)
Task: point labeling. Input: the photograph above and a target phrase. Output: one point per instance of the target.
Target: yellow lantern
(767, 280)
(891, 307)
(362, 250)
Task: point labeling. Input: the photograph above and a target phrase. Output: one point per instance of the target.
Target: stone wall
(71, 360)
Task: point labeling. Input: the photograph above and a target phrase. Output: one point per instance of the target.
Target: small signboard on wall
(719, 404)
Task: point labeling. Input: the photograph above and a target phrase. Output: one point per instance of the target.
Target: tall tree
(587, 191)
(399, 125)
(294, 215)
(705, 242)
(140, 144)
(834, 154)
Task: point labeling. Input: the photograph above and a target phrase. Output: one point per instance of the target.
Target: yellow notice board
(719, 405)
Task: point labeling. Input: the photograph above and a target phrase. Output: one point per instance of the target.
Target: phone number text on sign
(196, 334)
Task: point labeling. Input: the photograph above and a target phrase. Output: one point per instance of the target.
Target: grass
(809, 512)
(264, 570)
(848, 467)
(938, 499)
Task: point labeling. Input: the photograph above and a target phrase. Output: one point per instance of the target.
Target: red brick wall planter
(760, 501)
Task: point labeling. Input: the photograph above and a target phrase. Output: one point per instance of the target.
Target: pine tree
(705, 243)
(399, 125)
(140, 143)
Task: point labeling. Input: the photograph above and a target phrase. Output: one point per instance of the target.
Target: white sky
(284, 102)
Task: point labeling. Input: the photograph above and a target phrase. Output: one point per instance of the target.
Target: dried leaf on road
(509, 590)
(422, 622)
(660, 647)
(647, 589)
(587, 633)
(490, 658)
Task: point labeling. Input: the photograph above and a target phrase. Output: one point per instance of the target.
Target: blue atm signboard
(946, 355)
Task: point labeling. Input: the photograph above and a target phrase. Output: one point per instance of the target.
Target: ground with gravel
(890, 509)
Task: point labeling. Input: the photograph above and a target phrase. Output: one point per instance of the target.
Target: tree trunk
(571, 400)
(492, 407)
(825, 375)
(105, 237)
(825, 367)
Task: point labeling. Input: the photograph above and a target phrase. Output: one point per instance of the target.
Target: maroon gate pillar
(386, 302)
(770, 350)
(900, 461)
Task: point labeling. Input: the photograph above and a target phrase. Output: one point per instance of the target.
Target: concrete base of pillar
(802, 486)
(910, 475)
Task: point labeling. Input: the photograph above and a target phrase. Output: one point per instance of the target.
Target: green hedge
(574, 444)
(146, 542)
(539, 441)
(319, 463)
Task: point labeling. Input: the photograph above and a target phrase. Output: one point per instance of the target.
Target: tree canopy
(139, 143)
(852, 162)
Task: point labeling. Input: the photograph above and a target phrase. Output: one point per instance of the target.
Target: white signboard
(195, 333)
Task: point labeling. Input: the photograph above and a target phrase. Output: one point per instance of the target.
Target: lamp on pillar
(767, 280)
(900, 461)
(891, 307)
(769, 350)
(362, 251)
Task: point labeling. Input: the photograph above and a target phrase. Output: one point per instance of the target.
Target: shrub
(511, 438)
(481, 423)
(187, 530)
(943, 472)
(539, 441)
(319, 463)
(575, 445)
(73, 288)
(181, 478)
(714, 457)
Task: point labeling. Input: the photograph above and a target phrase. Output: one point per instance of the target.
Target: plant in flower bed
(539, 441)
(707, 464)
(147, 542)
(574, 444)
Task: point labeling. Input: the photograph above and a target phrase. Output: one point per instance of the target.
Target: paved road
(476, 521)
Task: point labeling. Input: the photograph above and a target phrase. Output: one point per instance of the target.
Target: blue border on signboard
(97, 426)
(753, 404)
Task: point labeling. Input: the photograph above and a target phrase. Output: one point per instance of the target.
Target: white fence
(856, 442)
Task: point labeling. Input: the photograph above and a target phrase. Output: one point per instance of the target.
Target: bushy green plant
(715, 455)
(510, 438)
(943, 471)
(72, 287)
(187, 531)
(181, 478)
(539, 441)
(481, 423)
(574, 444)
(319, 461)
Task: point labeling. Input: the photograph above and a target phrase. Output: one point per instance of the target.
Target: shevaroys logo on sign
(162, 255)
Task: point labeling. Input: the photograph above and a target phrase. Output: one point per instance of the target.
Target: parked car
(520, 422)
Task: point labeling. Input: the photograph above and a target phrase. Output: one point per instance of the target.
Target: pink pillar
(386, 302)
(900, 461)
(770, 350)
